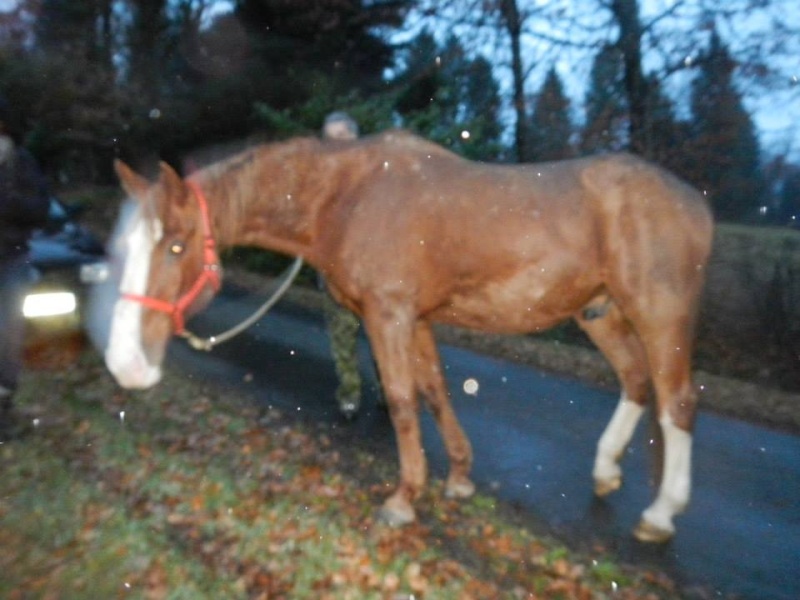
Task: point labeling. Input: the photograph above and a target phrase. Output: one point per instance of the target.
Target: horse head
(170, 271)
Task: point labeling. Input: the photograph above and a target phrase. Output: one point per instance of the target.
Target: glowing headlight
(49, 304)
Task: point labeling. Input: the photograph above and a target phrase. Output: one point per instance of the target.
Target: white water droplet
(471, 386)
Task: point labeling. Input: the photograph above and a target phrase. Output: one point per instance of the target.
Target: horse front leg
(431, 385)
(391, 337)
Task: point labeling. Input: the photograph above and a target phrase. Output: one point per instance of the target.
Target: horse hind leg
(431, 386)
(669, 349)
(613, 334)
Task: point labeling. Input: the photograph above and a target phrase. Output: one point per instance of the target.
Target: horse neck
(268, 197)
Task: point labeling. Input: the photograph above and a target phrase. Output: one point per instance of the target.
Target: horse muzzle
(132, 370)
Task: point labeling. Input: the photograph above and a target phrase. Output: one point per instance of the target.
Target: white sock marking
(673, 495)
(615, 438)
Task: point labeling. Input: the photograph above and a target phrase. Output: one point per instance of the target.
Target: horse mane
(407, 140)
(303, 164)
(230, 181)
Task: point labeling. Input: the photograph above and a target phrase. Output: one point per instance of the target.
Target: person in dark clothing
(341, 323)
(24, 205)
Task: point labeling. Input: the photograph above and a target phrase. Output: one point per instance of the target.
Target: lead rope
(208, 343)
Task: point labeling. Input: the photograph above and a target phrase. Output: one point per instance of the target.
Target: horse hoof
(462, 488)
(652, 534)
(396, 513)
(603, 487)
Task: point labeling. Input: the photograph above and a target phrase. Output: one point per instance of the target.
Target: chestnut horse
(407, 234)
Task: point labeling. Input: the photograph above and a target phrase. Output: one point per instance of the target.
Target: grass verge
(191, 491)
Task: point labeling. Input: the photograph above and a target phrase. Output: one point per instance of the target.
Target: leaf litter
(199, 493)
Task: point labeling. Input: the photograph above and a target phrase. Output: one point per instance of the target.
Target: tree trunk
(145, 47)
(513, 24)
(626, 12)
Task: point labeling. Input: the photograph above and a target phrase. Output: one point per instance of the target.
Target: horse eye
(176, 248)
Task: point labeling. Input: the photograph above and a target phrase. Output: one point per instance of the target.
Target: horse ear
(173, 184)
(134, 184)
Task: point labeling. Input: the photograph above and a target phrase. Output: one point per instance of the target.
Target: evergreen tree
(725, 151)
(74, 116)
(606, 107)
(269, 64)
(664, 137)
(76, 30)
(481, 111)
(550, 130)
(148, 49)
(294, 38)
(450, 98)
(421, 78)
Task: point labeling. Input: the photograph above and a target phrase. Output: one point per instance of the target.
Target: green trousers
(342, 331)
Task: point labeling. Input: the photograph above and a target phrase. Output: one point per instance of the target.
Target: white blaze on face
(125, 356)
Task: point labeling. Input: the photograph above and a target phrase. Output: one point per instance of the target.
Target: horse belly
(529, 301)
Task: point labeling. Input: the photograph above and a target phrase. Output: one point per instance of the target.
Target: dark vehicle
(66, 259)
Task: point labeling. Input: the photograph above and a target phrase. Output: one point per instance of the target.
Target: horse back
(508, 248)
(448, 234)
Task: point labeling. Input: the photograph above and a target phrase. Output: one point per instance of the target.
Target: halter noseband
(209, 275)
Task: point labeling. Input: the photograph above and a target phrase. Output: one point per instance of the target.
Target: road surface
(534, 437)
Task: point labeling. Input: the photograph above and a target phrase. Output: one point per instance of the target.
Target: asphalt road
(534, 437)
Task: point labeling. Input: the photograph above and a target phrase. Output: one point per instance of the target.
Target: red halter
(209, 275)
